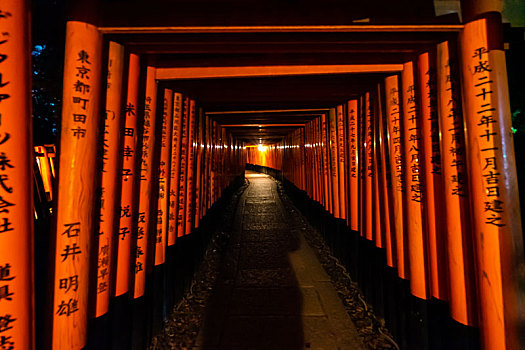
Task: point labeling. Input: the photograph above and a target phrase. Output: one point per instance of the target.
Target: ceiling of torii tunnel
(264, 69)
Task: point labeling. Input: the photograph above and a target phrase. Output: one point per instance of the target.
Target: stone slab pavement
(272, 292)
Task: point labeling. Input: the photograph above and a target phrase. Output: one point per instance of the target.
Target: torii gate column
(77, 173)
(493, 180)
(16, 195)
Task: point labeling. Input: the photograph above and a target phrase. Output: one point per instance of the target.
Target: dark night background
(48, 34)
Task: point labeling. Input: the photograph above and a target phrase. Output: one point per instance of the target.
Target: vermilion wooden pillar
(219, 162)
(395, 146)
(378, 203)
(128, 205)
(174, 168)
(16, 194)
(164, 173)
(316, 170)
(310, 159)
(307, 159)
(385, 185)
(207, 163)
(460, 246)
(432, 175)
(146, 179)
(320, 169)
(313, 161)
(341, 159)
(326, 164)
(172, 208)
(110, 184)
(76, 185)
(213, 162)
(205, 182)
(181, 216)
(320, 161)
(353, 131)
(334, 166)
(414, 194)
(190, 183)
(301, 159)
(368, 170)
(361, 149)
(317, 155)
(493, 182)
(198, 166)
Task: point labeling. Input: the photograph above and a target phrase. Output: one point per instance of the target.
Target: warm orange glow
(265, 155)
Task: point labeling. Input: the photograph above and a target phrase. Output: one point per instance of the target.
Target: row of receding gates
(124, 194)
(396, 164)
(424, 178)
(170, 163)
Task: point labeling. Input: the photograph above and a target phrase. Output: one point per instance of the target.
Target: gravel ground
(182, 327)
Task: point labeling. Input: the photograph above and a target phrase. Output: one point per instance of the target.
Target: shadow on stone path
(272, 292)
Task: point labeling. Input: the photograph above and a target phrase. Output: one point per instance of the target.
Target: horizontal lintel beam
(285, 29)
(263, 71)
(269, 111)
(258, 125)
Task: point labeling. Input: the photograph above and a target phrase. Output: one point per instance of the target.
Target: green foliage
(46, 94)
(518, 123)
(48, 30)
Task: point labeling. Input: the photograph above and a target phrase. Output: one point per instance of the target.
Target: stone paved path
(272, 293)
